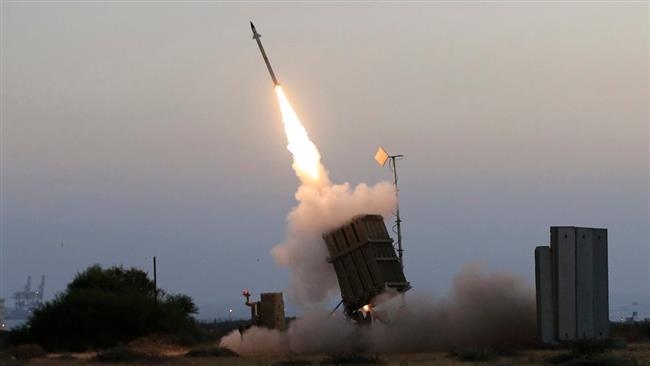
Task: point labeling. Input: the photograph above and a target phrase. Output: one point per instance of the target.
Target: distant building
(571, 280)
(26, 301)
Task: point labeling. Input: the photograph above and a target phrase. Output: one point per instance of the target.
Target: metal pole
(155, 281)
(398, 220)
(336, 307)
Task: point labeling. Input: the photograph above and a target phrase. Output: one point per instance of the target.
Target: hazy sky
(133, 130)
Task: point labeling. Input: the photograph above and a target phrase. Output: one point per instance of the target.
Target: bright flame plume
(322, 206)
(306, 158)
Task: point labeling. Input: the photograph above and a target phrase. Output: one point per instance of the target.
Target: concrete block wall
(601, 284)
(584, 284)
(269, 311)
(564, 259)
(575, 265)
(272, 310)
(544, 287)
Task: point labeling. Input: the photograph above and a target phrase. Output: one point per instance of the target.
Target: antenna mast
(381, 157)
(398, 219)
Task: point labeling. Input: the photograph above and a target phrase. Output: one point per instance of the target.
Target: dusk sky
(134, 130)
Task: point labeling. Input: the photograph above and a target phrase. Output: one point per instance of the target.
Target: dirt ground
(634, 354)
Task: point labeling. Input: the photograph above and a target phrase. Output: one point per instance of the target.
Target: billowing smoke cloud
(483, 309)
(322, 208)
(257, 341)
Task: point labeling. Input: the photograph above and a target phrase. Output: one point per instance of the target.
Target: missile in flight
(256, 37)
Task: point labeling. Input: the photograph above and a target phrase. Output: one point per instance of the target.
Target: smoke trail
(322, 206)
(483, 309)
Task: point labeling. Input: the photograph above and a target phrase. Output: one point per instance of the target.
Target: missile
(256, 37)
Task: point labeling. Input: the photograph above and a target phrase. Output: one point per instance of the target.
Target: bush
(211, 352)
(101, 308)
(351, 359)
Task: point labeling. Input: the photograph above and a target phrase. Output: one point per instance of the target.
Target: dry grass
(635, 354)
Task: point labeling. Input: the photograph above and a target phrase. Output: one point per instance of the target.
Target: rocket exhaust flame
(322, 206)
(306, 158)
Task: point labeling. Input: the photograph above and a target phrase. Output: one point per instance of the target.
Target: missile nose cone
(252, 26)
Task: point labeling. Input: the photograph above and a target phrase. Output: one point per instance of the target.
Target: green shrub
(211, 352)
(101, 308)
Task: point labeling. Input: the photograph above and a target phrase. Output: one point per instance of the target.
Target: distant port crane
(27, 300)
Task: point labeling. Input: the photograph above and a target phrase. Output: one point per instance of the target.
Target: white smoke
(257, 341)
(483, 309)
(322, 208)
